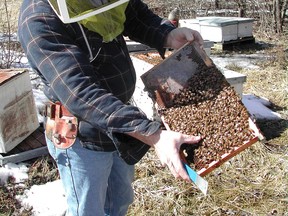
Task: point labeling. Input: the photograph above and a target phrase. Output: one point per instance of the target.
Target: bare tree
(279, 10)
(283, 12)
(10, 48)
(241, 8)
(217, 6)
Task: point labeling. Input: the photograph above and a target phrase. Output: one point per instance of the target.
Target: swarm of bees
(208, 106)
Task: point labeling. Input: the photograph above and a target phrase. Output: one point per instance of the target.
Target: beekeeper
(93, 133)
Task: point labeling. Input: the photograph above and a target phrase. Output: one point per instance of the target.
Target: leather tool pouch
(61, 126)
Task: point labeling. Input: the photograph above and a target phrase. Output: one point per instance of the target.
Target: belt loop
(58, 113)
(50, 110)
(56, 110)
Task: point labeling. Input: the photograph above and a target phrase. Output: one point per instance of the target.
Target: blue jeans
(95, 183)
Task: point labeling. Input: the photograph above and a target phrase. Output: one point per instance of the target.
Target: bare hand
(180, 36)
(167, 147)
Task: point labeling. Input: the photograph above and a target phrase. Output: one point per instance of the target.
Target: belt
(56, 109)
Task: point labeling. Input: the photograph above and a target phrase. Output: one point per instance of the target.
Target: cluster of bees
(208, 106)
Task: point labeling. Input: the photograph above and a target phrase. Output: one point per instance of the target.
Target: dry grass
(252, 183)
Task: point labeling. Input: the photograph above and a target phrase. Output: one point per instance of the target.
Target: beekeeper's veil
(106, 17)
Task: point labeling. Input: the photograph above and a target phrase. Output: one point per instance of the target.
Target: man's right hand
(167, 146)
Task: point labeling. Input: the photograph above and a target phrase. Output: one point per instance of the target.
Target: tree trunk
(283, 12)
(241, 8)
(277, 16)
(216, 4)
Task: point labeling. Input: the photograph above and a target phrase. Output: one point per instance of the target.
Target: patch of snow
(239, 60)
(46, 200)
(140, 97)
(18, 171)
(40, 101)
(258, 107)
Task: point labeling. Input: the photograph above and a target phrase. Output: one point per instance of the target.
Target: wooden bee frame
(167, 80)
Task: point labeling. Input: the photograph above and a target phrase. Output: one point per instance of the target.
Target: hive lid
(218, 21)
(8, 74)
(170, 76)
(194, 21)
(242, 19)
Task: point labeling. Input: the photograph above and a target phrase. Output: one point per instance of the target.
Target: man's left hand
(180, 36)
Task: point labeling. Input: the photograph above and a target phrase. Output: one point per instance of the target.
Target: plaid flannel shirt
(95, 90)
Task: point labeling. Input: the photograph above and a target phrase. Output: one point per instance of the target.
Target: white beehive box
(207, 46)
(245, 27)
(18, 114)
(190, 23)
(195, 25)
(235, 79)
(218, 29)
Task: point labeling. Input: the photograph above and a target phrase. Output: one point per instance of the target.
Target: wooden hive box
(18, 112)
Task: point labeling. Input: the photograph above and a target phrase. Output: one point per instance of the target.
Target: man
(96, 137)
